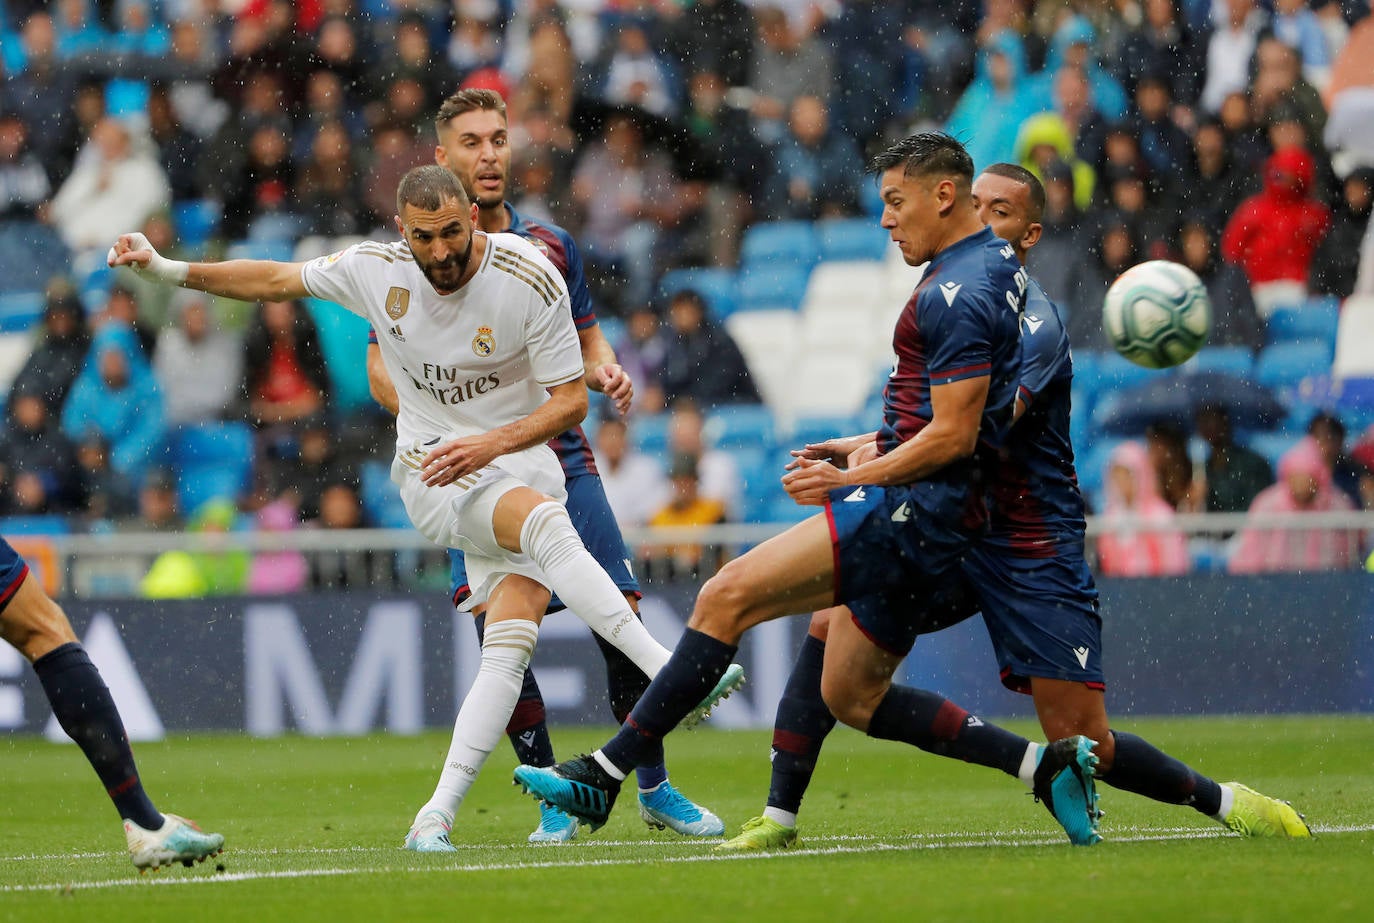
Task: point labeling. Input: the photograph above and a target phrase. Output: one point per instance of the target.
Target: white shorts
(459, 515)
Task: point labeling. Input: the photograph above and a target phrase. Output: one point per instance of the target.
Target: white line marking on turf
(860, 844)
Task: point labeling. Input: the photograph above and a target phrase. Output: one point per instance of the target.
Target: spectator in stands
(1244, 139)
(1304, 486)
(197, 364)
(193, 574)
(284, 375)
(702, 362)
(329, 192)
(61, 350)
(1362, 454)
(1279, 88)
(642, 353)
(1235, 474)
(816, 168)
(339, 49)
(159, 506)
(636, 76)
(1274, 234)
(1162, 43)
(548, 79)
(123, 307)
(1167, 446)
(42, 93)
(1109, 249)
(635, 484)
(146, 304)
(1054, 261)
(103, 494)
(396, 147)
(24, 185)
(413, 55)
(41, 462)
(1296, 25)
(1234, 319)
(78, 34)
(261, 187)
(1327, 430)
(1044, 140)
(276, 572)
(178, 148)
(717, 474)
(186, 74)
(1229, 50)
(1215, 168)
(1336, 264)
(261, 100)
(340, 508)
(629, 196)
(1074, 44)
(715, 36)
(787, 64)
(994, 105)
(1139, 538)
(302, 476)
(117, 186)
(1164, 146)
(116, 396)
(686, 507)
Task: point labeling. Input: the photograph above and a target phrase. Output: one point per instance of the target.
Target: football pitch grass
(314, 828)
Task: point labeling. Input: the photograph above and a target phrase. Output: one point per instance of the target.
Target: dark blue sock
(625, 684)
(82, 704)
(936, 725)
(1143, 768)
(697, 664)
(528, 728)
(799, 729)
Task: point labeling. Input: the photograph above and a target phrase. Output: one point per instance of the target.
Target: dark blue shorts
(595, 523)
(896, 566)
(13, 570)
(1041, 615)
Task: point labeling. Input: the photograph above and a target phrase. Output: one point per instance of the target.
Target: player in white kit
(476, 331)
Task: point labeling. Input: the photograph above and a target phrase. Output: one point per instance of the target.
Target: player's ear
(474, 214)
(1032, 235)
(441, 156)
(400, 228)
(946, 194)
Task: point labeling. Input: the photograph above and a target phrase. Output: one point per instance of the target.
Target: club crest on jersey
(484, 344)
(540, 245)
(397, 302)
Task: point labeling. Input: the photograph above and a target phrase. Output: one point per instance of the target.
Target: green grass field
(314, 827)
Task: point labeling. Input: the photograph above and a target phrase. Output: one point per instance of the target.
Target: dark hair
(924, 154)
(468, 100)
(1327, 419)
(688, 296)
(1026, 178)
(428, 187)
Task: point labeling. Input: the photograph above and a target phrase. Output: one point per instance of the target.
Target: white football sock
(549, 539)
(1228, 801)
(779, 816)
(1029, 761)
(486, 710)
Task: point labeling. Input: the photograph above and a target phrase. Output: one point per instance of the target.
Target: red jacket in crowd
(1274, 233)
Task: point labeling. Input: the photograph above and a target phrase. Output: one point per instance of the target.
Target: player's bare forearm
(952, 434)
(379, 382)
(601, 371)
(834, 450)
(248, 280)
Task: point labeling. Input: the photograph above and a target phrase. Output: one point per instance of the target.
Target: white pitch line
(860, 845)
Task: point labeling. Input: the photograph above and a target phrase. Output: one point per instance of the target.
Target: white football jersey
(463, 363)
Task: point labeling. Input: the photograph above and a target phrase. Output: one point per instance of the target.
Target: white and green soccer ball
(1157, 314)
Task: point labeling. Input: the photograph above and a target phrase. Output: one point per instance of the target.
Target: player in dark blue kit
(895, 526)
(1029, 577)
(474, 145)
(38, 629)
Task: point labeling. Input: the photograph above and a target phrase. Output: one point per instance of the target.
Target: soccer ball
(1157, 314)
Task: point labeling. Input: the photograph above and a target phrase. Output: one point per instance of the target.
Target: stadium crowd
(1230, 135)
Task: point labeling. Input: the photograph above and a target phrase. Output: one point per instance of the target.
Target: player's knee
(37, 629)
(820, 624)
(723, 604)
(850, 705)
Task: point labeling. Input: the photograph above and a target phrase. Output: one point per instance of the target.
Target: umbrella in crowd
(1178, 397)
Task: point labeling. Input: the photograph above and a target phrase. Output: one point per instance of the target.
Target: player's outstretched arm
(604, 374)
(379, 381)
(246, 280)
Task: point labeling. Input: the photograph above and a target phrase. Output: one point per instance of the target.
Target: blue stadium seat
(196, 221)
(212, 460)
(718, 286)
(852, 239)
(1315, 320)
(46, 524)
(773, 288)
(870, 199)
(31, 253)
(343, 340)
(649, 433)
(1233, 360)
(381, 498)
(124, 97)
(1285, 367)
(280, 250)
(1272, 445)
(782, 510)
(771, 243)
(19, 311)
(1115, 372)
(741, 426)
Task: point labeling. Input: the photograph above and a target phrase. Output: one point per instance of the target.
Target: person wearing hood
(990, 111)
(116, 396)
(1336, 263)
(1044, 140)
(1139, 538)
(60, 352)
(1235, 321)
(1073, 45)
(1274, 234)
(1304, 486)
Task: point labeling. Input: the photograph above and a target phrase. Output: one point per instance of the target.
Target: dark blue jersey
(1037, 509)
(961, 322)
(573, 450)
